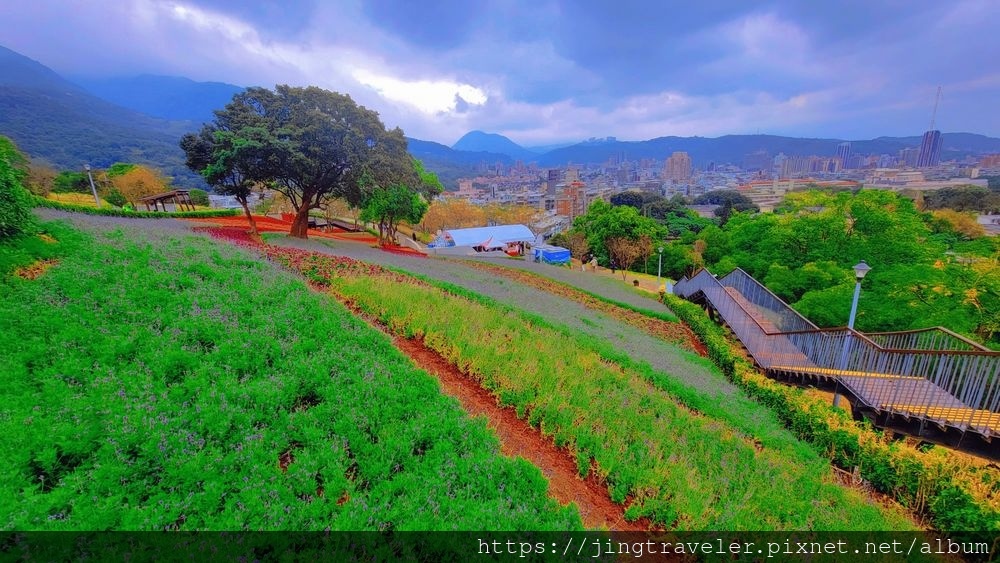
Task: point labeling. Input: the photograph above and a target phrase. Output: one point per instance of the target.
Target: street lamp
(861, 269)
(659, 268)
(92, 188)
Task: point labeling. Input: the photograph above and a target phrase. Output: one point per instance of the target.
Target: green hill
(54, 120)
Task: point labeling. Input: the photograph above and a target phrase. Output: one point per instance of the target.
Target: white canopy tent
(485, 237)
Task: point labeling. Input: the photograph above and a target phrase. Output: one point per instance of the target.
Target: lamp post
(659, 267)
(861, 269)
(97, 202)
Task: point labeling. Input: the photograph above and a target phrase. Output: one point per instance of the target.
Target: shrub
(199, 197)
(934, 486)
(115, 198)
(42, 202)
(15, 202)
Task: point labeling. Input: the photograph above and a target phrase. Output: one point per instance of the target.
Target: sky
(548, 71)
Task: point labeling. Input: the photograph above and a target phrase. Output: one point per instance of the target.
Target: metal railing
(931, 373)
(936, 338)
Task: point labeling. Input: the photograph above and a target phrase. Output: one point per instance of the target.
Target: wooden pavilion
(180, 198)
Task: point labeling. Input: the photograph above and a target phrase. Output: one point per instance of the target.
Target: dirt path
(517, 437)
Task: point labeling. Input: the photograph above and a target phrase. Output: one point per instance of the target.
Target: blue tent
(551, 254)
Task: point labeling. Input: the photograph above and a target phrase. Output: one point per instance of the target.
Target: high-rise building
(908, 157)
(844, 154)
(778, 166)
(678, 167)
(930, 149)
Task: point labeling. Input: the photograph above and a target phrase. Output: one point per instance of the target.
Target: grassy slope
(684, 469)
(156, 383)
(953, 493)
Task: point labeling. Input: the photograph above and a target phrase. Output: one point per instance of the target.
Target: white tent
(485, 237)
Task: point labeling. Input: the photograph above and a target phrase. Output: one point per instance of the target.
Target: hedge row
(116, 212)
(954, 496)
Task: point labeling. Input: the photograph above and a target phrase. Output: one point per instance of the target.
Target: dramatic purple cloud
(547, 71)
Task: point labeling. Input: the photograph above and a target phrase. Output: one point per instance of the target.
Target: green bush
(933, 486)
(42, 202)
(115, 198)
(15, 202)
(199, 197)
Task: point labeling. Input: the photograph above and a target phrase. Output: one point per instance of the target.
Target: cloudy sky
(550, 71)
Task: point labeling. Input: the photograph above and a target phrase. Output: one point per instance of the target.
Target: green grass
(663, 315)
(154, 383)
(952, 493)
(684, 469)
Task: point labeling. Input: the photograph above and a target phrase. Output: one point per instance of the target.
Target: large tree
(728, 202)
(314, 144)
(139, 182)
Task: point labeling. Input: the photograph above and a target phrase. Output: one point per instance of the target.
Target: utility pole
(97, 202)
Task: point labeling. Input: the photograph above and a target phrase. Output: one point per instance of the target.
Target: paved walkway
(663, 356)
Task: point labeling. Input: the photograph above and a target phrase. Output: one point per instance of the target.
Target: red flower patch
(318, 268)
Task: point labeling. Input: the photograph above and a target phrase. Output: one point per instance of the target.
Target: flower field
(673, 464)
(214, 391)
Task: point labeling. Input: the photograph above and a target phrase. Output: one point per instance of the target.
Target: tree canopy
(387, 206)
(925, 270)
(729, 201)
(309, 144)
(604, 222)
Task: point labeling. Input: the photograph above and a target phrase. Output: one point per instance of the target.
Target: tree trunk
(246, 209)
(300, 225)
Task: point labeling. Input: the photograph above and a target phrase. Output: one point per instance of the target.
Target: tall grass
(681, 468)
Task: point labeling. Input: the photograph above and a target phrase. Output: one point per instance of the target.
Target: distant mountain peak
(24, 72)
(480, 141)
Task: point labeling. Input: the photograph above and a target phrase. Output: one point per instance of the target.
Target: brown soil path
(518, 438)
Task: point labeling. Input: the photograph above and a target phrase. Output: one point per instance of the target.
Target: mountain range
(141, 119)
(166, 97)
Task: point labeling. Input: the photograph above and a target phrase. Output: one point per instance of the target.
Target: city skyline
(547, 72)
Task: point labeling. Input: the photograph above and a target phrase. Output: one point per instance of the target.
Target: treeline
(963, 198)
(121, 185)
(931, 266)
(629, 230)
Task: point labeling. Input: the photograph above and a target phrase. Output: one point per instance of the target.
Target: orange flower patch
(34, 270)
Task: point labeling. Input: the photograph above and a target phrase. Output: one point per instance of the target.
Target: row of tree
(930, 267)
